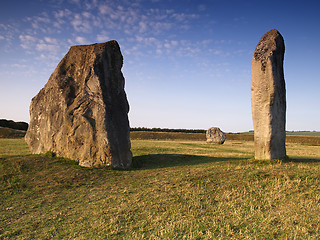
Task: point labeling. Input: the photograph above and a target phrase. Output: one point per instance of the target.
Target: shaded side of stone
(268, 97)
(81, 113)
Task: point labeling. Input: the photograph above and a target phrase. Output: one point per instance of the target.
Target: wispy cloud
(202, 7)
(81, 23)
(27, 41)
(141, 30)
(103, 37)
(37, 22)
(181, 17)
(18, 65)
(8, 33)
(51, 40)
(106, 10)
(42, 46)
(46, 44)
(81, 40)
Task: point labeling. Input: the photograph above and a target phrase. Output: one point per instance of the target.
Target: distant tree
(14, 125)
(168, 130)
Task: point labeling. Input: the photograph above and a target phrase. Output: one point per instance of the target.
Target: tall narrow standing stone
(82, 112)
(268, 97)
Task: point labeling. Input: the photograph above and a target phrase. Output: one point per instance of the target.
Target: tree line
(13, 124)
(24, 126)
(137, 129)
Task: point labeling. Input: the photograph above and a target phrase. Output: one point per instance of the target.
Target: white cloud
(103, 37)
(86, 14)
(51, 40)
(27, 41)
(42, 19)
(39, 23)
(159, 27)
(142, 27)
(119, 17)
(91, 4)
(81, 25)
(150, 42)
(62, 13)
(47, 47)
(18, 65)
(51, 59)
(206, 42)
(202, 7)
(217, 52)
(134, 50)
(97, 22)
(181, 17)
(105, 9)
(167, 45)
(75, 1)
(186, 48)
(60, 18)
(8, 33)
(170, 44)
(81, 40)
(150, 29)
(27, 38)
(174, 43)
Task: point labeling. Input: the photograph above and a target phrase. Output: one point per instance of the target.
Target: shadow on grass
(303, 160)
(154, 161)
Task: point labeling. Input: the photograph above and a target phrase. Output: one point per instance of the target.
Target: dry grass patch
(303, 151)
(178, 190)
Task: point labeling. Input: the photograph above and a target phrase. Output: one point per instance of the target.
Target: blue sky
(187, 63)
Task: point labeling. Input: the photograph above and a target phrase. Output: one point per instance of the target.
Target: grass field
(176, 190)
(306, 140)
(296, 133)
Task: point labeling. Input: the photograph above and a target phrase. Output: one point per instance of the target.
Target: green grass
(10, 147)
(178, 190)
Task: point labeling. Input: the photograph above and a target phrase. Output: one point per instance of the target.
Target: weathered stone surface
(215, 135)
(82, 112)
(268, 97)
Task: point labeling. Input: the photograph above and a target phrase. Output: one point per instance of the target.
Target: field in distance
(177, 189)
(295, 133)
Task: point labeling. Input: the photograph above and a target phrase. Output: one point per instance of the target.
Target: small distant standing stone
(215, 135)
(268, 97)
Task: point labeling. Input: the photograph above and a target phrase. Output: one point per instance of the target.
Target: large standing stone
(268, 97)
(215, 135)
(82, 112)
